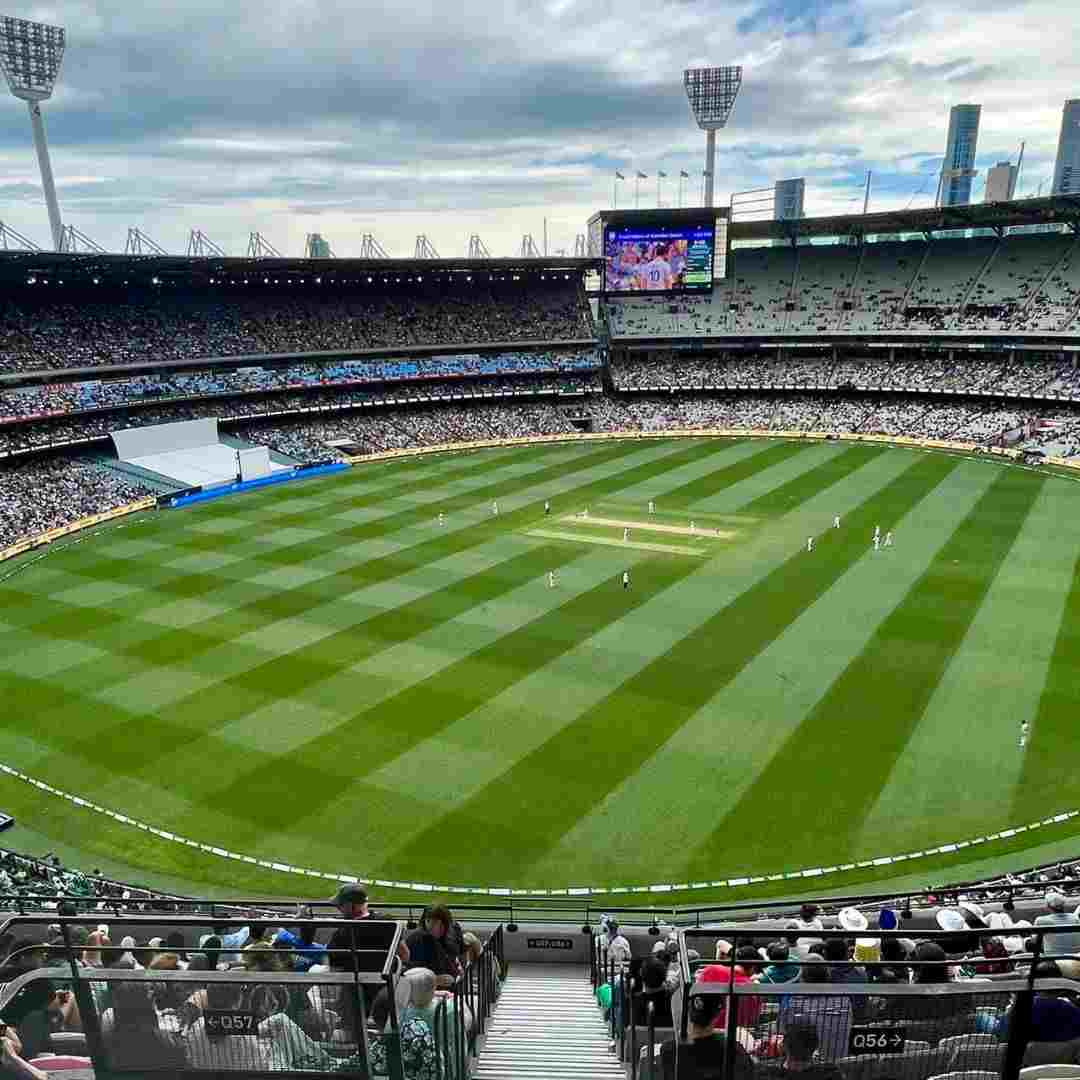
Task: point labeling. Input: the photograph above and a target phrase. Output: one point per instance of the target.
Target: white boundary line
(585, 890)
(492, 890)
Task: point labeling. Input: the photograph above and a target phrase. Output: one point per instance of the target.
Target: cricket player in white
(692, 526)
(809, 543)
(494, 508)
(877, 542)
(1024, 728)
(625, 535)
(442, 518)
(551, 579)
(836, 522)
(888, 539)
(547, 507)
(877, 531)
(626, 579)
(652, 507)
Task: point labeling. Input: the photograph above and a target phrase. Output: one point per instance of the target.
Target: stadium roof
(78, 267)
(1055, 209)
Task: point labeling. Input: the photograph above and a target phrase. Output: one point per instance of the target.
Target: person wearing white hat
(852, 919)
(1063, 943)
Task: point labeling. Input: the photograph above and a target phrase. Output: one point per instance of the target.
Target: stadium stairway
(546, 1024)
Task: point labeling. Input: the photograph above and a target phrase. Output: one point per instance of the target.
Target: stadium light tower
(712, 93)
(30, 55)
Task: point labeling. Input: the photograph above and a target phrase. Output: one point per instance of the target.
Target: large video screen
(659, 258)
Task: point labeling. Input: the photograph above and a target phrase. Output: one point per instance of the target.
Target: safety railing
(356, 1012)
(952, 1005)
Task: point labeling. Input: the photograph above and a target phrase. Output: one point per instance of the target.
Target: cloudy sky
(487, 116)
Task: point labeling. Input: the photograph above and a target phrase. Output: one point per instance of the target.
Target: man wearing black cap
(352, 901)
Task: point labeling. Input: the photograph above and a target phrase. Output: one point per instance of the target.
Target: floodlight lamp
(712, 93)
(30, 55)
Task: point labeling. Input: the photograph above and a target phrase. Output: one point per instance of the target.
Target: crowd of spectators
(936, 372)
(299, 1023)
(63, 428)
(42, 494)
(984, 424)
(46, 327)
(830, 982)
(433, 373)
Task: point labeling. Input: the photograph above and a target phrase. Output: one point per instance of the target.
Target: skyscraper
(958, 168)
(788, 199)
(1001, 182)
(1067, 168)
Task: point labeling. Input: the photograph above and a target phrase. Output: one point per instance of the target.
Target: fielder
(626, 579)
(494, 508)
(888, 539)
(877, 542)
(877, 531)
(1025, 727)
(547, 507)
(442, 519)
(836, 522)
(809, 543)
(551, 579)
(652, 507)
(625, 535)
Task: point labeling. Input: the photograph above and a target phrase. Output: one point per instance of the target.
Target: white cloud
(350, 116)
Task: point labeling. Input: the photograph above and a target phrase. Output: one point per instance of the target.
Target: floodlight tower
(30, 55)
(712, 93)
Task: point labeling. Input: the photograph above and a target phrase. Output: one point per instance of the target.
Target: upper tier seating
(45, 327)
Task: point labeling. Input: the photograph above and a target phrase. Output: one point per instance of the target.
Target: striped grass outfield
(324, 676)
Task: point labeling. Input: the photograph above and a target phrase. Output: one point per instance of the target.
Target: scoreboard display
(659, 254)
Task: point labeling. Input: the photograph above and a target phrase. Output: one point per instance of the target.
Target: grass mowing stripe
(812, 482)
(704, 486)
(191, 716)
(644, 711)
(419, 476)
(398, 723)
(898, 671)
(295, 600)
(280, 677)
(350, 532)
(972, 721)
(1052, 761)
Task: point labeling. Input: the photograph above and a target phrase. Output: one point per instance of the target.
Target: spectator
(800, 1049)
(702, 1055)
(780, 969)
(749, 1007)
(132, 1033)
(1065, 943)
(436, 944)
(305, 950)
(830, 1016)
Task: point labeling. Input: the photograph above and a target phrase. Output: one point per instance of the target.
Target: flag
(619, 175)
(643, 176)
(684, 174)
(662, 175)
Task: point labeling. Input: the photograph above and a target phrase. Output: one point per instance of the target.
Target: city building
(1067, 167)
(318, 247)
(958, 168)
(1001, 182)
(788, 199)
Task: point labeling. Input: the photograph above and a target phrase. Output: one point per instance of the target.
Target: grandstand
(839, 348)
